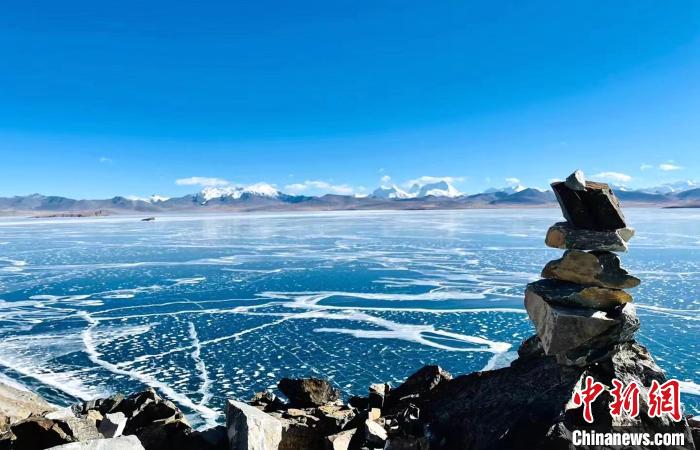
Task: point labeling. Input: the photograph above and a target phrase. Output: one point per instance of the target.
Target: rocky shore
(585, 326)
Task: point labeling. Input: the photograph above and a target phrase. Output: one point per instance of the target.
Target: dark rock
(112, 425)
(417, 384)
(575, 295)
(333, 418)
(595, 208)
(576, 181)
(267, 401)
(377, 393)
(581, 330)
(375, 434)
(531, 348)
(591, 268)
(38, 433)
(359, 402)
(171, 435)
(307, 392)
(524, 406)
(102, 405)
(563, 235)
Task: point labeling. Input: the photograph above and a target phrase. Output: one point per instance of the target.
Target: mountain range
(265, 197)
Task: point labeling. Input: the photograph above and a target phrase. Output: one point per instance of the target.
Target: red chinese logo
(665, 399)
(587, 396)
(624, 399)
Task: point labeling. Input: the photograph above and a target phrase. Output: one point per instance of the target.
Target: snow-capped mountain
(669, 188)
(392, 191)
(236, 192)
(439, 189)
(152, 199)
(507, 190)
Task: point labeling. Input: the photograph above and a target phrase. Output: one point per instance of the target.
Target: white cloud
(646, 167)
(667, 167)
(318, 185)
(615, 177)
(202, 181)
(105, 160)
(428, 180)
(512, 181)
(386, 179)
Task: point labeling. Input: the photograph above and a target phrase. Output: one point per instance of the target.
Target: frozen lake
(209, 307)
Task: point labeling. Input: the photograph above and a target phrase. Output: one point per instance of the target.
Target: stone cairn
(580, 309)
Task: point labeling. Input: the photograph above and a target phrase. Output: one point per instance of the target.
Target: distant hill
(264, 197)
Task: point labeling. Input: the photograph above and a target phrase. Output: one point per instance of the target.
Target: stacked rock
(580, 309)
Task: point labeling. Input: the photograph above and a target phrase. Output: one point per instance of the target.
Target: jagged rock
(359, 402)
(37, 433)
(116, 443)
(602, 346)
(334, 417)
(267, 401)
(594, 208)
(94, 416)
(562, 329)
(570, 294)
(563, 235)
(576, 181)
(16, 404)
(112, 425)
(375, 434)
(377, 392)
(102, 405)
(248, 428)
(343, 440)
(80, 428)
(166, 435)
(422, 381)
(524, 406)
(307, 392)
(300, 434)
(406, 443)
(593, 268)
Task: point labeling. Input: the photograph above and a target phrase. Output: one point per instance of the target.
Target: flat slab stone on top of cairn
(597, 268)
(563, 235)
(593, 208)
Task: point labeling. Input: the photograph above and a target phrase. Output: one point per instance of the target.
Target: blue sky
(106, 98)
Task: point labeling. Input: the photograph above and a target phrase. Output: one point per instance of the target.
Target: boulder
(17, 404)
(527, 405)
(424, 380)
(37, 433)
(308, 392)
(375, 434)
(564, 293)
(563, 235)
(116, 443)
(112, 425)
(345, 440)
(592, 268)
(248, 428)
(576, 181)
(560, 328)
(333, 418)
(101, 405)
(377, 392)
(80, 428)
(267, 401)
(593, 208)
